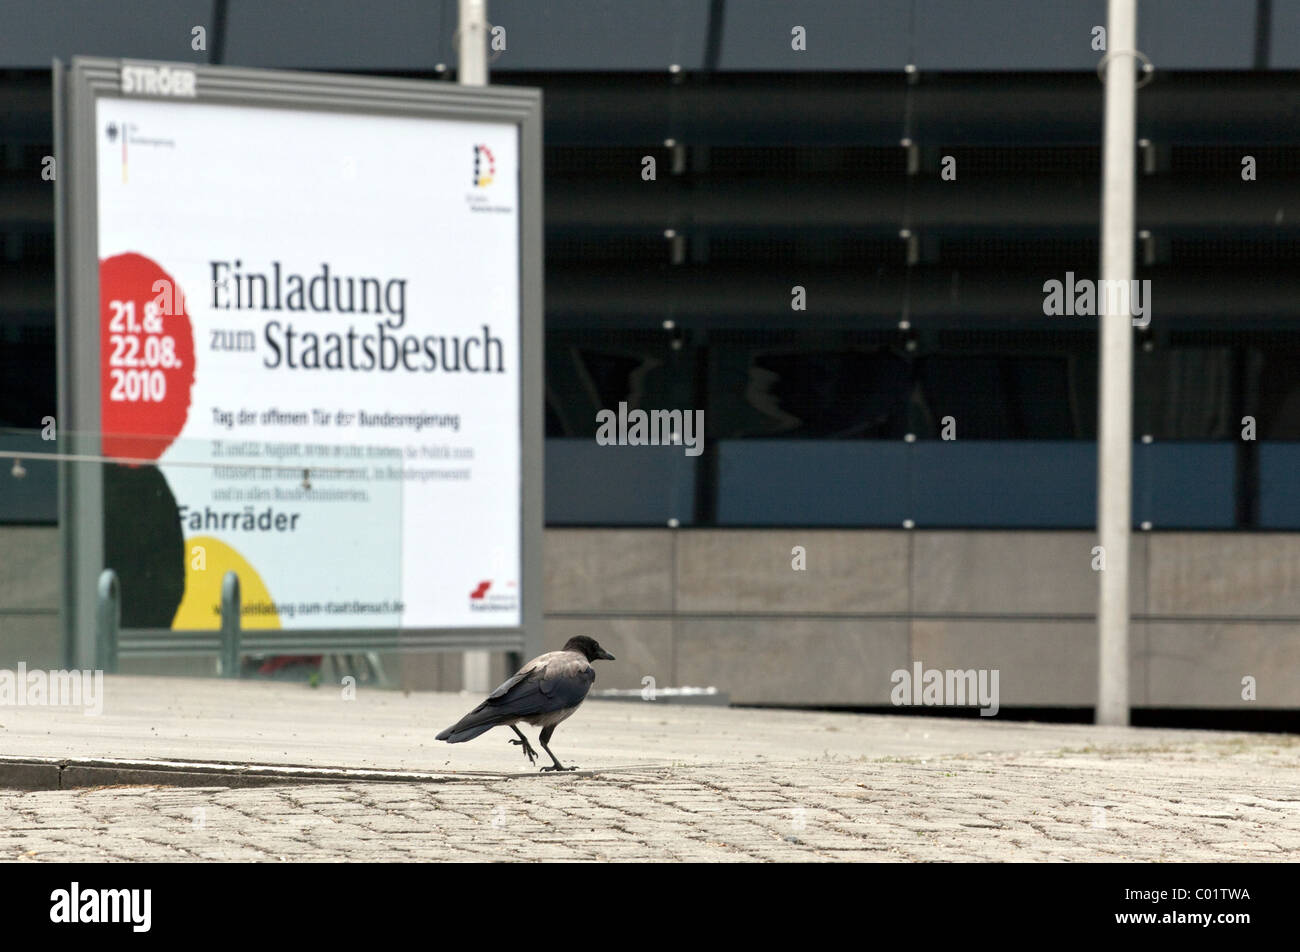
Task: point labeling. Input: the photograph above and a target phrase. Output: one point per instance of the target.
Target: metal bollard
(230, 625)
(108, 621)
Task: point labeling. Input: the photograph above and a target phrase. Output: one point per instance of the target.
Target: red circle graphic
(146, 357)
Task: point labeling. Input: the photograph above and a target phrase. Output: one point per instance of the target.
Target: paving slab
(273, 723)
(660, 783)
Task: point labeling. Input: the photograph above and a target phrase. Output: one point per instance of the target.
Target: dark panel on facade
(1185, 485)
(599, 35)
(32, 32)
(1279, 503)
(590, 484)
(757, 35)
(28, 487)
(1003, 484)
(1206, 34)
(804, 483)
(1284, 36)
(382, 35)
(1007, 35)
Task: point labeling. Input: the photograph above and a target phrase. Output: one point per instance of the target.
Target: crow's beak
(605, 654)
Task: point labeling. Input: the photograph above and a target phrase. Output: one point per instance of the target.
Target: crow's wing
(565, 683)
(537, 665)
(553, 682)
(559, 682)
(505, 687)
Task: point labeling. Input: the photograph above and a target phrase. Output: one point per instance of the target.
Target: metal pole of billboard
(108, 618)
(472, 70)
(230, 623)
(1115, 387)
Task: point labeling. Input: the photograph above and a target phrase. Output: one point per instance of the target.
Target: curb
(54, 773)
(50, 773)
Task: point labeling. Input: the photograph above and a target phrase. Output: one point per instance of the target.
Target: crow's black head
(588, 647)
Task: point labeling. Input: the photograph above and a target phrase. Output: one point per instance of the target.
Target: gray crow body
(543, 693)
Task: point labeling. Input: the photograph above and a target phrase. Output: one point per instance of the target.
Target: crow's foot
(557, 766)
(528, 749)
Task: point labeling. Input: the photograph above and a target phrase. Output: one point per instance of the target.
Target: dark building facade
(841, 256)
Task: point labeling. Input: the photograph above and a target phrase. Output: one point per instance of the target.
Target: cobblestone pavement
(1233, 799)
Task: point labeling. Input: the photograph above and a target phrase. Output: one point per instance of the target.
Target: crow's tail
(478, 721)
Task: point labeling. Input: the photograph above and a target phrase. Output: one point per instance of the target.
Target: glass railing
(1045, 484)
(317, 535)
(875, 483)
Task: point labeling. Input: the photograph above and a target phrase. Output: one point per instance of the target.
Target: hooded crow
(543, 693)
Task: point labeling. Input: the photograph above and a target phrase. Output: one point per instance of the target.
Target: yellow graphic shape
(200, 609)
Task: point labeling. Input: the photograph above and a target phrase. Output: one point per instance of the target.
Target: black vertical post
(1263, 32)
(1243, 404)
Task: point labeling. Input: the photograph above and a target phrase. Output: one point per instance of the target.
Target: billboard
(313, 310)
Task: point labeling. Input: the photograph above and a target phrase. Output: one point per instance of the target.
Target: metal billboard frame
(77, 88)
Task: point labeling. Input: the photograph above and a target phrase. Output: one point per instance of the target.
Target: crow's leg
(544, 737)
(528, 748)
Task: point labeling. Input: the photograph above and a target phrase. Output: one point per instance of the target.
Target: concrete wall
(724, 607)
(30, 587)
